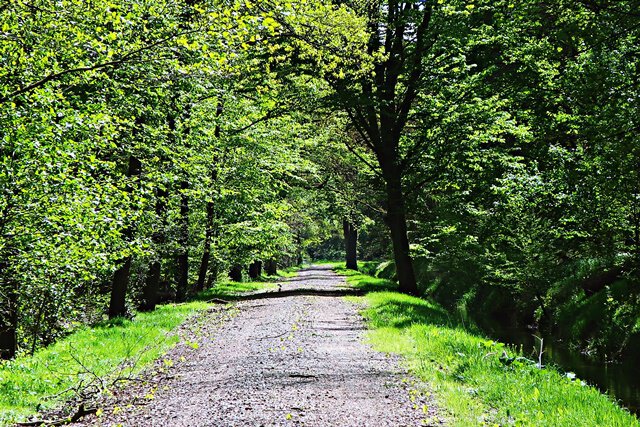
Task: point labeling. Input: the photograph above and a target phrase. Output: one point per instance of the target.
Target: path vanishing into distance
(299, 360)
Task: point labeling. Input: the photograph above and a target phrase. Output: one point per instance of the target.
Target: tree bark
(255, 269)
(350, 245)
(183, 240)
(151, 287)
(385, 101)
(299, 257)
(211, 213)
(8, 314)
(119, 285)
(152, 282)
(235, 274)
(271, 267)
(206, 253)
(120, 282)
(397, 222)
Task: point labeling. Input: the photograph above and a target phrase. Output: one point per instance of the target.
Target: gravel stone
(295, 361)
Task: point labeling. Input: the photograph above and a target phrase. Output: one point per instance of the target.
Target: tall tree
(120, 282)
(210, 224)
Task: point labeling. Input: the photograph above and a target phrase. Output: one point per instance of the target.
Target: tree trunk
(152, 282)
(151, 287)
(120, 283)
(235, 274)
(350, 245)
(183, 240)
(255, 269)
(397, 222)
(206, 254)
(271, 267)
(386, 101)
(8, 314)
(299, 258)
(214, 265)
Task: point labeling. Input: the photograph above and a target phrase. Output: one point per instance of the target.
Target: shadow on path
(292, 293)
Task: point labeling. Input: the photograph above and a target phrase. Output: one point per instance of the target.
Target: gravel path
(283, 362)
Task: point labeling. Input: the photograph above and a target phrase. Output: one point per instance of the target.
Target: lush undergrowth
(477, 381)
(97, 355)
(603, 323)
(606, 323)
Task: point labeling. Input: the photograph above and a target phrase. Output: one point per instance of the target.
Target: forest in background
(488, 148)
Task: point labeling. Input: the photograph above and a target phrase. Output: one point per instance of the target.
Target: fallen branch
(291, 293)
(80, 413)
(218, 301)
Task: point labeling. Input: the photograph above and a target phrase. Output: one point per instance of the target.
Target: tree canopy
(489, 148)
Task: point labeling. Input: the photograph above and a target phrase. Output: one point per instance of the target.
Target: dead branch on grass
(79, 414)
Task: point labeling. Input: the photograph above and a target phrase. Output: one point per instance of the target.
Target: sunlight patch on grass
(229, 289)
(43, 380)
(289, 271)
(477, 381)
(120, 346)
(363, 281)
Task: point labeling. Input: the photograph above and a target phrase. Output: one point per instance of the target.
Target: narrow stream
(620, 380)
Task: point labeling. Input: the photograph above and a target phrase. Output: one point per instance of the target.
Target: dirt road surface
(295, 361)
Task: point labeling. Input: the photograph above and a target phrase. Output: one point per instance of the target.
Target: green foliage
(606, 323)
(87, 88)
(368, 267)
(525, 166)
(503, 134)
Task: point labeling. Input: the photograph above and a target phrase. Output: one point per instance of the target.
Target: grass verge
(95, 355)
(476, 381)
(289, 271)
(228, 289)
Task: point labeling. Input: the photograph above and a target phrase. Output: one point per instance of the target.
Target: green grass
(290, 271)
(42, 381)
(465, 373)
(363, 281)
(228, 289)
(28, 384)
(324, 262)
